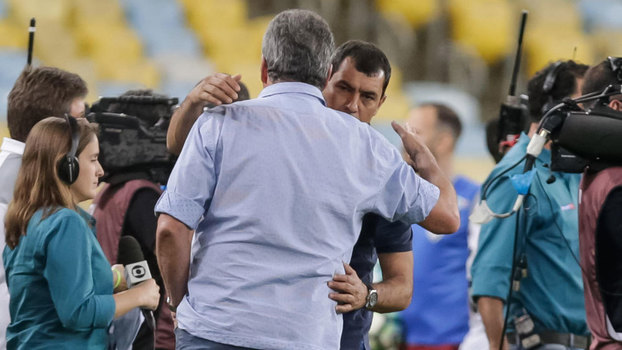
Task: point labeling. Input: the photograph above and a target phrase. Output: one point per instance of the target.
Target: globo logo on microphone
(136, 273)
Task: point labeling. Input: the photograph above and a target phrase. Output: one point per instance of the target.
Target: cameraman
(599, 228)
(124, 206)
(550, 290)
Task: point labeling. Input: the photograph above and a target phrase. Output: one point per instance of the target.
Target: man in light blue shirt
(276, 189)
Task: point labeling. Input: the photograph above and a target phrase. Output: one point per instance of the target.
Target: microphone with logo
(136, 268)
(132, 258)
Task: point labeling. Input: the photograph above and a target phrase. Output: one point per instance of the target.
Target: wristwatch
(170, 304)
(372, 297)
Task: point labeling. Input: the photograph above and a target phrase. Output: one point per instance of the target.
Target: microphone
(136, 269)
(131, 256)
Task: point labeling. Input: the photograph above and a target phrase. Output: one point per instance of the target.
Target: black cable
(499, 176)
(513, 271)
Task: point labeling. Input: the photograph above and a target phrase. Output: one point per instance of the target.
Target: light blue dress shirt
(276, 188)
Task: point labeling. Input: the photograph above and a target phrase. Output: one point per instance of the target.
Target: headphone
(615, 63)
(547, 87)
(549, 83)
(68, 167)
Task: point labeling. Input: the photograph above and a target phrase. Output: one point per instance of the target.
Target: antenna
(31, 39)
(519, 49)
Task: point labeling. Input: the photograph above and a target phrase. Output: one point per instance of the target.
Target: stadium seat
(44, 11)
(101, 40)
(211, 18)
(607, 43)
(489, 26)
(143, 72)
(161, 25)
(546, 47)
(54, 43)
(104, 11)
(417, 13)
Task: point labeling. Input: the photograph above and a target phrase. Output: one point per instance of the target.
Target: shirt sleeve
(492, 264)
(191, 185)
(70, 277)
(392, 237)
(405, 196)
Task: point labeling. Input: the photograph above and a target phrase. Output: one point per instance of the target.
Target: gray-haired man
(276, 188)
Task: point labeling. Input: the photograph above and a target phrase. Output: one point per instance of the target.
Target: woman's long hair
(38, 185)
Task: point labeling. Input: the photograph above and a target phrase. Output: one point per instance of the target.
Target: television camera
(132, 137)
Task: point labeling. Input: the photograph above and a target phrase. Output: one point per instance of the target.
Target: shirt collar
(90, 220)
(292, 87)
(13, 146)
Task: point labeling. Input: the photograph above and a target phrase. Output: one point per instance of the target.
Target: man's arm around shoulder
(394, 291)
(216, 89)
(444, 217)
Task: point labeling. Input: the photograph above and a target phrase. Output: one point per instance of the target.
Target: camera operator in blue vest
(546, 308)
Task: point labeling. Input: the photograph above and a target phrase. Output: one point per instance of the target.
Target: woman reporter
(60, 282)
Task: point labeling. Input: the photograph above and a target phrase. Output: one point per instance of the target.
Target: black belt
(565, 339)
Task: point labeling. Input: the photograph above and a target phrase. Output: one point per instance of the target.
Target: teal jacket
(552, 291)
(60, 285)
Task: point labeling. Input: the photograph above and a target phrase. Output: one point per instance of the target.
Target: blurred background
(452, 51)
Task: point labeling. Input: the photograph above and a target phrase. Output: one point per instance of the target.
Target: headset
(68, 167)
(549, 83)
(615, 63)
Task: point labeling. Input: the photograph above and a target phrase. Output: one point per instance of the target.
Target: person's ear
(328, 76)
(615, 105)
(264, 71)
(382, 99)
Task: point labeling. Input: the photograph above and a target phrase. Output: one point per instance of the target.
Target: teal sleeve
(493, 262)
(70, 277)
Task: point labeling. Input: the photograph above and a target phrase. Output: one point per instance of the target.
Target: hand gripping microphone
(131, 256)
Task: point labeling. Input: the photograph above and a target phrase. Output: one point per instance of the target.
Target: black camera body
(132, 137)
(587, 140)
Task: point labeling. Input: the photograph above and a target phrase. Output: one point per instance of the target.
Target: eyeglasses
(615, 64)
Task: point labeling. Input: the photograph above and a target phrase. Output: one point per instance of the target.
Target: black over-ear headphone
(615, 63)
(549, 83)
(68, 166)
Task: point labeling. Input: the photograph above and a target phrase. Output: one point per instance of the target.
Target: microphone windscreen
(129, 251)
